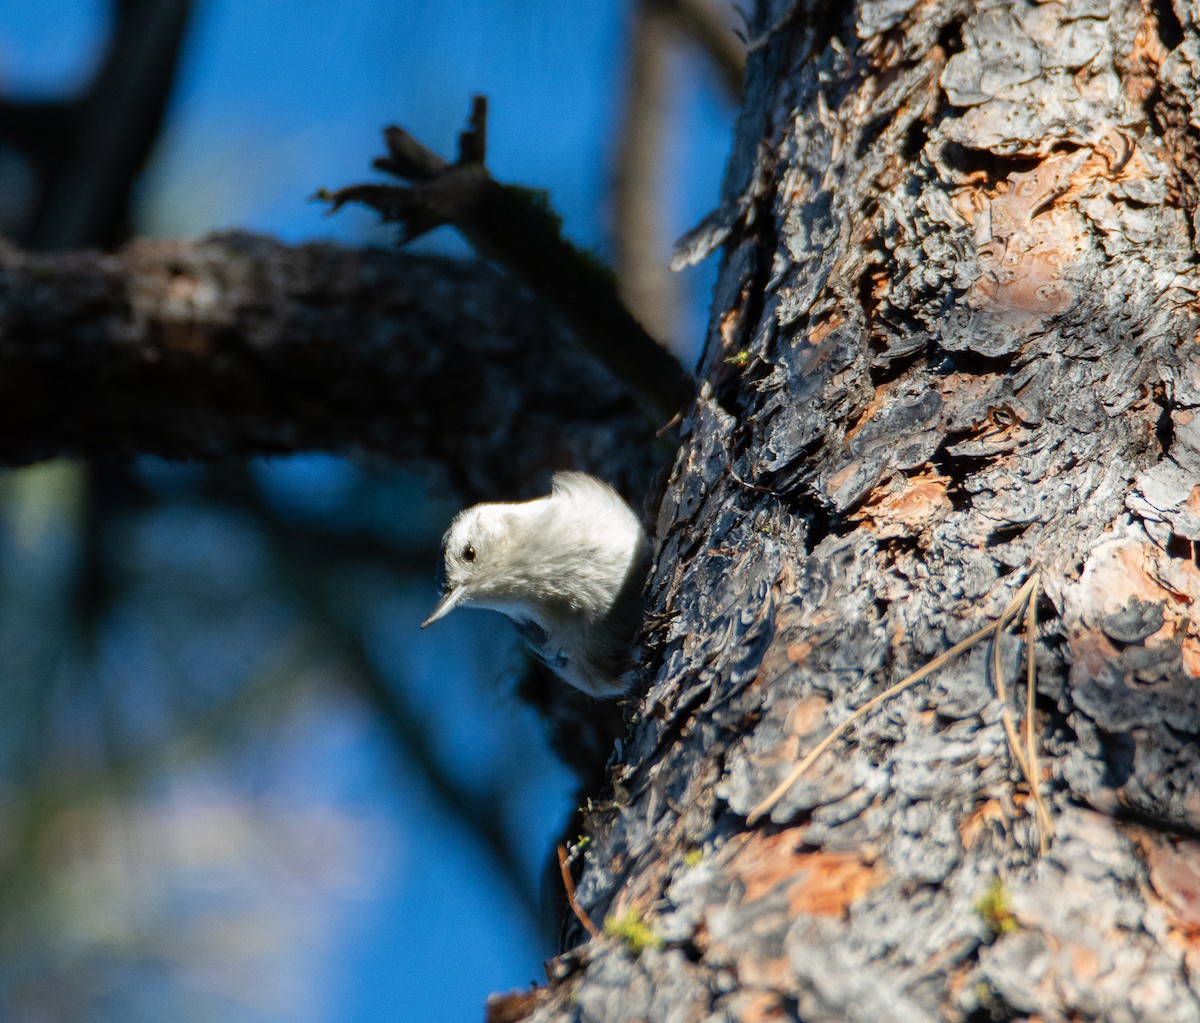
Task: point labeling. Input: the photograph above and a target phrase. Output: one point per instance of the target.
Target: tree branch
(101, 142)
(515, 227)
(238, 345)
(646, 284)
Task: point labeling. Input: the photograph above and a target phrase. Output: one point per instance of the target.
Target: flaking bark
(953, 342)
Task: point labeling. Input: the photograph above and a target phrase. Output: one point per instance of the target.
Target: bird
(567, 569)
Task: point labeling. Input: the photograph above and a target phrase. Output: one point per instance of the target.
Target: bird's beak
(444, 606)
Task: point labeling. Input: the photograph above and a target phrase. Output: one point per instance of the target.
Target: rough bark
(953, 344)
(238, 345)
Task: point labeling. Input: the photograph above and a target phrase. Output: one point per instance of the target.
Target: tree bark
(953, 344)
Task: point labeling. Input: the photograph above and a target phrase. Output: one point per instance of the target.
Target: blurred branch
(238, 345)
(312, 562)
(40, 129)
(646, 285)
(707, 24)
(89, 152)
(480, 815)
(639, 234)
(310, 575)
(516, 227)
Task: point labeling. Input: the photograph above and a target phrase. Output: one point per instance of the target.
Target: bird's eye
(468, 553)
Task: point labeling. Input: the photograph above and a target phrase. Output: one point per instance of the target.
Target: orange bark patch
(806, 715)
(880, 399)
(1191, 655)
(1085, 963)
(987, 814)
(729, 325)
(824, 327)
(1120, 571)
(798, 652)
(1091, 650)
(512, 1006)
(1175, 877)
(832, 883)
(1141, 72)
(905, 505)
(1021, 284)
(817, 883)
(758, 1007)
(1030, 229)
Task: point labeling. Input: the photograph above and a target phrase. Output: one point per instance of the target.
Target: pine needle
(1045, 824)
(572, 901)
(1021, 600)
(1041, 814)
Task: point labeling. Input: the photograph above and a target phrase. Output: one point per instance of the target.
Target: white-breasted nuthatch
(568, 569)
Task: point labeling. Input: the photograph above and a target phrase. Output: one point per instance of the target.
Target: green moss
(693, 858)
(995, 910)
(539, 199)
(631, 928)
(985, 996)
(538, 202)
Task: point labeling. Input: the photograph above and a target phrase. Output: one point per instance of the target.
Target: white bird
(568, 569)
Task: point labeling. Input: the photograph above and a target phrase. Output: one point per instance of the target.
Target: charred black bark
(953, 345)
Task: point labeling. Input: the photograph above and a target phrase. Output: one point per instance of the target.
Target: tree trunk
(953, 344)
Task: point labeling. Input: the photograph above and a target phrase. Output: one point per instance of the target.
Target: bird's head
(472, 562)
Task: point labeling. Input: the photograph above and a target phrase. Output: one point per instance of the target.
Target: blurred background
(236, 781)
